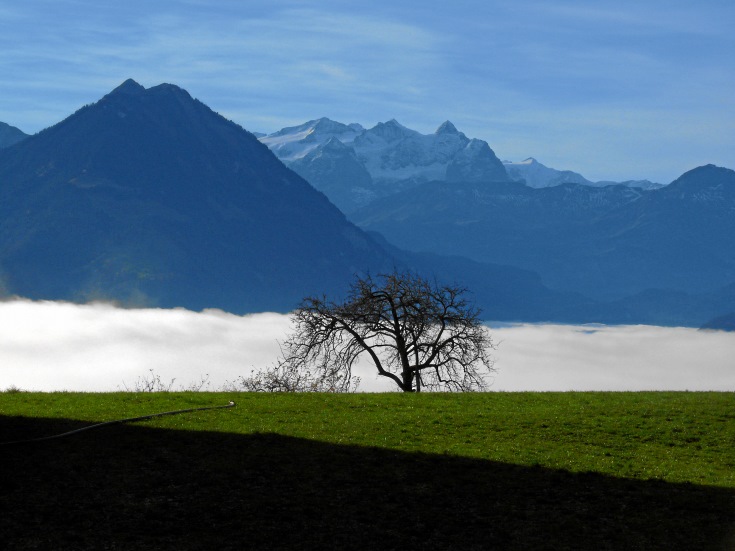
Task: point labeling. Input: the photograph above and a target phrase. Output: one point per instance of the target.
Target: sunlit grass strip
(676, 437)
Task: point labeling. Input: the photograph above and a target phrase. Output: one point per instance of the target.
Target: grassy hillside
(472, 471)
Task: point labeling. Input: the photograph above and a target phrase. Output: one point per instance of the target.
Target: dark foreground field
(140, 487)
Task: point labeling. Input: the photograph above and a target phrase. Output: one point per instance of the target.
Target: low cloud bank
(628, 357)
(59, 346)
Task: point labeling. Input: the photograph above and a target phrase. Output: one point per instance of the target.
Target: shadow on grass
(132, 487)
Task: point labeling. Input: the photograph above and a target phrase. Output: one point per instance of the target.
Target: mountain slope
(148, 196)
(333, 169)
(721, 323)
(504, 293)
(603, 242)
(10, 135)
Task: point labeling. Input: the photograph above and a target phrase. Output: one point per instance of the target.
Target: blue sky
(612, 89)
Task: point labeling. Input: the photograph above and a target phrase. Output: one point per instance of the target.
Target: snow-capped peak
(294, 142)
(527, 162)
(476, 145)
(328, 126)
(322, 124)
(389, 152)
(391, 131)
(446, 128)
(538, 175)
(334, 144)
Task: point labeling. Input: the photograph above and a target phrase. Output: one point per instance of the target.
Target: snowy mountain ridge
(389, 150)
(392, 156)
(537, 175)
(295, 142)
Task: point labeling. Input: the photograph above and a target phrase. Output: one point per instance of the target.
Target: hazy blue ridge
(721, 323)
(632, 249)
(10, 135)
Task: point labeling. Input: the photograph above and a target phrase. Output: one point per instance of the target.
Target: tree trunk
(407, 380)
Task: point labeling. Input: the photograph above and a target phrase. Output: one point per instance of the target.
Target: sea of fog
(52, 346)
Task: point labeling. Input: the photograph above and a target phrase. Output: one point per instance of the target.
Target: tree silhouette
(418, 334)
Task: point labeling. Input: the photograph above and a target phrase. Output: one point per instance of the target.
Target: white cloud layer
(59, 346)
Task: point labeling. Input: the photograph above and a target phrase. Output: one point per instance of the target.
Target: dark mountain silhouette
(667, 307)
(149, 197)
(607, 243)
(10, 135)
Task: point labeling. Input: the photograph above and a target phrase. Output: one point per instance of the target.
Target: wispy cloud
(528, 77)
(296, 59)
(60, 346)
(644, 18)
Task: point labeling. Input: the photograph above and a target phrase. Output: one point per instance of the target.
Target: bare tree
(418, 334)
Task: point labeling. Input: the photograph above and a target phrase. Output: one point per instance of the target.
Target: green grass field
(387, 471)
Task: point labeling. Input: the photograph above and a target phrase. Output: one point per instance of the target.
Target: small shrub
(197, 386)
(154, 383)
(150, 383)
(287, 378)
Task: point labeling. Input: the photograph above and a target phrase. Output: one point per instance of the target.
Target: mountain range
(353, 165)
(148, 197)
(642, 250)
(608, 243)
